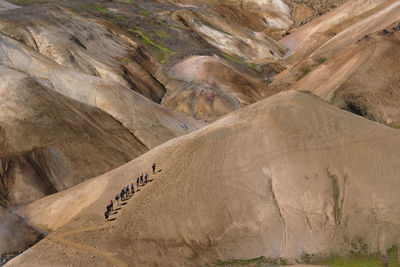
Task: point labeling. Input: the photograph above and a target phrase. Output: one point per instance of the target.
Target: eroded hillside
(69, 108)
(86, 86)
(287, 176)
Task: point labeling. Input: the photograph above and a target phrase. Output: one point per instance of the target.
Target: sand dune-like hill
(285, 176)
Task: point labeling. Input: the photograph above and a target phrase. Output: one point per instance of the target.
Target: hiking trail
(60, 237)
(107, 255)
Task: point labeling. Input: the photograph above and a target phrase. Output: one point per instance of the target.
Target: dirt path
(107, 255)
(61, 237)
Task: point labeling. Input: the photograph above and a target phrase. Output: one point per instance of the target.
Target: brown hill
(84, 46)
(206, 87)
(362, 78)
(346, 57)
(16, 236)
(286, 176)
(60, 124)
(152, 124)
(47, 144)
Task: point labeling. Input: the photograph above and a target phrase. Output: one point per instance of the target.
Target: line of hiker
(128, 191)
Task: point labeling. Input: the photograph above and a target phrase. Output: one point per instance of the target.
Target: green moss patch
(144, 12)
(397, 127)
(161, 34)
(250, 65)
(98, 9)
(161, 52)
(255, 262)
(359, 260)
(321, 60)
(119, 19)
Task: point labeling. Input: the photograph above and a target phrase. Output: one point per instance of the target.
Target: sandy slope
(61, 124)
(47, 144)
(363, 77)
(14, 233)
(287, 175)
(4, 5)
(347, 58)
(84, 46)
(206, 88)
(151, 123)
(313, 35)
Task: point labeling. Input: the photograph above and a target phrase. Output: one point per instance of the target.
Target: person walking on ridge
(122, 195)
(106, 215)
(137, 182)
(132, 189)
(154, 168)
(141, 179)
(111, 205)
(145, 177)
(116, 200)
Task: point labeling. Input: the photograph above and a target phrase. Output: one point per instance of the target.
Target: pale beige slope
(282, 177)
(4, 5)
(305, 11)
(326, 36)
(205, 87)
(363, 78)
(230, 38)
(15, 235)
(84, 46)
(313, 35)
(271, 14)
(49, 142)
(151, 123)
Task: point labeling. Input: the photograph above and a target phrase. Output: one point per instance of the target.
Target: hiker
(154, 168)
(122, 195)
(108, 208)
(106, 215)
(116, 199)
(141, 179)
(137, 181)
(132, 189)
(385, 260)
(145, 177)
(111, 205)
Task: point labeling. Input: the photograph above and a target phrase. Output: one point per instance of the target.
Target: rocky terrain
(246, 108)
